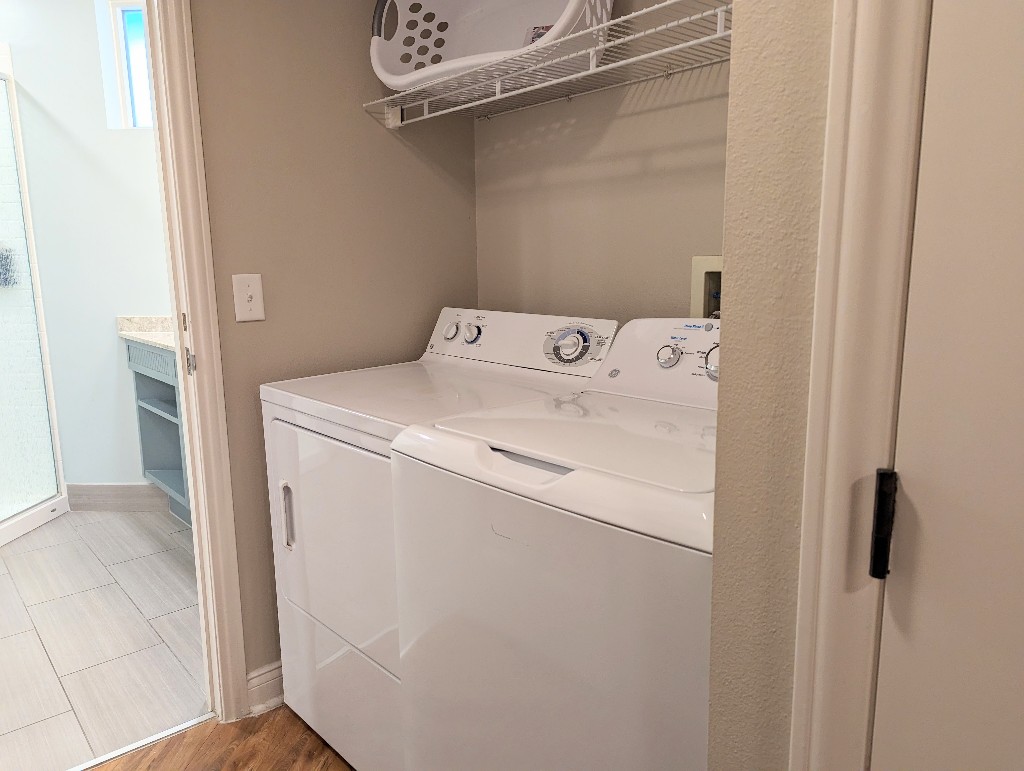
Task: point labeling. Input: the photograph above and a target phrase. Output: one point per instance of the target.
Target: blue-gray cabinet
(161, 437)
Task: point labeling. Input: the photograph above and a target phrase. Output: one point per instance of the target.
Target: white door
(334, 536)
(335, 567)
(951, 665)
(31, 483)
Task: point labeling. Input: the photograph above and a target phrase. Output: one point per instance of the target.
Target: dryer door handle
(288, 511)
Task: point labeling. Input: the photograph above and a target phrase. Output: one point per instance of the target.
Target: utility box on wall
(706, 286)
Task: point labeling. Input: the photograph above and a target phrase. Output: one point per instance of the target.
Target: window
(131, 52)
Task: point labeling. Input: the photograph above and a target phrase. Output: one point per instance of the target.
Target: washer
(554, 568)
(329, 473)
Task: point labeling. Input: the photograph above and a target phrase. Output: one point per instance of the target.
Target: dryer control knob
(668, 356)
(570, 345)
(473, 333)
(451, 331)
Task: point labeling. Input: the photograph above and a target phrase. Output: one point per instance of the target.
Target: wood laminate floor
(274, 741)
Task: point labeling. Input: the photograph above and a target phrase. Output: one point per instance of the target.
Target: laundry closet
(590, 207)
(594, 206)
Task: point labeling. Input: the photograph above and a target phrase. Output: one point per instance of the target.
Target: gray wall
(780, 65)
(595, 207)
(361, 234)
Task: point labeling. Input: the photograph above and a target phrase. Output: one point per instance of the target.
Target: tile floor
(99, 637)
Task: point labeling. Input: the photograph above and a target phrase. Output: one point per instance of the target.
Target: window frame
(122, 62)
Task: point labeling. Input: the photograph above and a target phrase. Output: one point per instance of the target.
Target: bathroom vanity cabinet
(155, 372)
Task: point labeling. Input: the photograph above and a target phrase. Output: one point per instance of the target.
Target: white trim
(38, 514)
(179, 140)
(28, 520)
(124, 95)
(145, 742)
(266, 688)
(872, 142)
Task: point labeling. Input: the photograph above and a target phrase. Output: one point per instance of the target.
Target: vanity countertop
(157, 331)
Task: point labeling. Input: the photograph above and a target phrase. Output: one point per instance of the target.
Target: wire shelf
(665, 39)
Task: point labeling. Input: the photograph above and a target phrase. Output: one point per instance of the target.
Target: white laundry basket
(417, 41)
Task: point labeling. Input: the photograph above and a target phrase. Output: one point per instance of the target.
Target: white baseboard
(266, 688)
(140, 497)
(26, 521)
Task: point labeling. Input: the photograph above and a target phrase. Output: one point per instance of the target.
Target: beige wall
(361, 234)
(595, 207)
(773, 181)
(590, 208)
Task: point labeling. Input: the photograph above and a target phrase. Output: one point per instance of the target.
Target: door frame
(183, 176)
(57, 504)
(873, 129)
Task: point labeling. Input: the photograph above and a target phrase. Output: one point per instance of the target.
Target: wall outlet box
(705, 285)
(248, 291)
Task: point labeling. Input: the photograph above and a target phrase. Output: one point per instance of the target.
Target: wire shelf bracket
(666, 39)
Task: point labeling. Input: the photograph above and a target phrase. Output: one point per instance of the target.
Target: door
(334, 551)
(950, 691)
(31, 489)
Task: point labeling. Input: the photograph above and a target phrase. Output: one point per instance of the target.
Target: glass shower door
(29, 475)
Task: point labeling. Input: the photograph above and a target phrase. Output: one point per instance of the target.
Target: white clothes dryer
(554, 568)
(329, 473)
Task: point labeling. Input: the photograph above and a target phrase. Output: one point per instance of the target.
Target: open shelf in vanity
(158, 406)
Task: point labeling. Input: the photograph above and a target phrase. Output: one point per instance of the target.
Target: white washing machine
(554, 568)
(328, 440)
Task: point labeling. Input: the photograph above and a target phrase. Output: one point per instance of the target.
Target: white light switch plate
(248, 291)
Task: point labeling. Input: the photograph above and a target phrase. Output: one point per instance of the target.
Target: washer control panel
(669, 355)
(562, 344)
(671, 360)
(711, 362)
(574, 345)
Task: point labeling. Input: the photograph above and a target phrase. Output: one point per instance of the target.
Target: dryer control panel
(671, 360)
(573, 346)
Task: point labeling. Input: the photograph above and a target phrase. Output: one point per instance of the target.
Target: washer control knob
(570, 345)
(711, 363)
(473, 333)
(451, 331)
(668, 356)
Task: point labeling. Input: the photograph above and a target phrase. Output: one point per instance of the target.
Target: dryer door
(334, 537)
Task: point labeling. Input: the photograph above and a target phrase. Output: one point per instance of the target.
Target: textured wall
(99, 232)
(595, 207)
(361, 234)
(773, 182)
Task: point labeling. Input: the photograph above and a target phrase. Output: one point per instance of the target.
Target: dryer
(554, 568)
(328, 440)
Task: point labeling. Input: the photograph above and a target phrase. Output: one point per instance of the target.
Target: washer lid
(381, 401)
(635, 464)
(638, 439)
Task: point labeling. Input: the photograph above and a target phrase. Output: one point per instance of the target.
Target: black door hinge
(886, 483)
